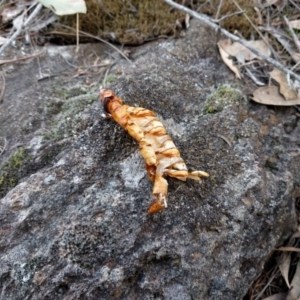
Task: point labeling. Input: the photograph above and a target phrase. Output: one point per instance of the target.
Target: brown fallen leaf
(228, 61)
(231, 48)
(288, 92)
(284, 266)
(270, 95)
(246, 55)
(242, 53)
(279, 296)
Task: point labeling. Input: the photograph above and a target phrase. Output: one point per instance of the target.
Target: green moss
(222, 97)
(54, 107)
(109, 79)
(127, 22)
(63, 111)
(10, 173)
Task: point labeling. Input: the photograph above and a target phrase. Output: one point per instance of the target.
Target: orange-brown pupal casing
(157, 148)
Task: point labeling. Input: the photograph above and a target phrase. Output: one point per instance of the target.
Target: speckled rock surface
(76, 225)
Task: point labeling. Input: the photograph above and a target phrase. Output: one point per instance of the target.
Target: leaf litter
(276, 37)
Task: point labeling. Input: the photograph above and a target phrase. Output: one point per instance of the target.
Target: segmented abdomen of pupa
(167, 155)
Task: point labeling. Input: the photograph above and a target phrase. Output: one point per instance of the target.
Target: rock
(76, 225)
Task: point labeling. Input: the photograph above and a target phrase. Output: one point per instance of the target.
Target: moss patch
(234, 22)
(12, 171)
(128, 22)
(222, 97)
(63, 111)
(110, 79)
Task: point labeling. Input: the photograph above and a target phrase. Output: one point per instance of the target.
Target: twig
(227, 16)
(295, 38)
(298, 7)
(77, 32)
(3, 88)
(99, 39)
(219, 9)
(205, 19)
(6, 61)
(106, 74)
(19, 30)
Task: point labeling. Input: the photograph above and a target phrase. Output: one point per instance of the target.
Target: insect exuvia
(161, 156)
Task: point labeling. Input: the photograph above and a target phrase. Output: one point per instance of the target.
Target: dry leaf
(270, 95)
(242, 53)
(269, 3)
(65, 7)
(2, 40)
(228, 61)
(295, 24)
(279, 296)
(231, 48)
(284, 266)
(261, 46)
(294, 292)
(285, 89)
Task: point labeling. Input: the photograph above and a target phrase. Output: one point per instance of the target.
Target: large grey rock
(76, 225)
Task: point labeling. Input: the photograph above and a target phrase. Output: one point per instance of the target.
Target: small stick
(6, 61)
(295, 38)
(228, 16)
(77, 32)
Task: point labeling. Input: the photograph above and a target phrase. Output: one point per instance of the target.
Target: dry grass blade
(284, 266)
(290, 249)
(267, 284)
(295, 38)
